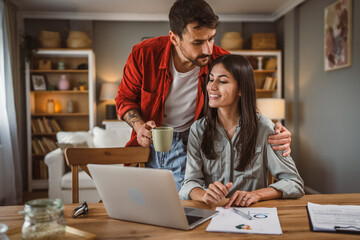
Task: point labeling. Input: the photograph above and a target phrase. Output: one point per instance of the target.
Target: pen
(244, 215)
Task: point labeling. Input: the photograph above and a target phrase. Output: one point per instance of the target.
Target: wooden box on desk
(262, 41)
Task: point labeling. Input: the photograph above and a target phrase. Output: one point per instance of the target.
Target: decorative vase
(260, 63)
(70, 107)
(63, 83)
(61, 66)
(50, 106)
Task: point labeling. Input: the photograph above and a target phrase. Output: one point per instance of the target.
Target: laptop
(145, 195)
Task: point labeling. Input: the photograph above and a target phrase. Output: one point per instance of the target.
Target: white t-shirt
(180, 103)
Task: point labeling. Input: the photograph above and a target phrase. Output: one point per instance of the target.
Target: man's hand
(216, 192)
(144, 133)
(243, 198)
(282, 139)
(142, 129)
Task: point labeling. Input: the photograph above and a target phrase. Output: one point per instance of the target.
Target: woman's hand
(216, 192)
(243, 198)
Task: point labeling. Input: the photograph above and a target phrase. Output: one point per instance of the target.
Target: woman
(228, 152)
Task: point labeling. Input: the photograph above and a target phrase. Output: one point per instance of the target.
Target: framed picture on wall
(338, 35)
(38, 82)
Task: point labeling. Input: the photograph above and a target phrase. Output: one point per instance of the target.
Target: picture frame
(38, 82)
(338, 35)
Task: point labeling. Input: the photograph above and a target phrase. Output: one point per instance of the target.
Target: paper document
(334, 217)
(246, 220)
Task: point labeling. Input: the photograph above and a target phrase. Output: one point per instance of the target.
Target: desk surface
(292, 213)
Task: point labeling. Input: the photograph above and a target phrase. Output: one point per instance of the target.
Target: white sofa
(60, 180)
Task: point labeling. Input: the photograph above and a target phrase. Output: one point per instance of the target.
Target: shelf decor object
(49, 39)
(260, 58)
(50, 106)
(232, 41)
(63, 83)
(263, 41)
(108, 93)
(61, 66)
(38, 82)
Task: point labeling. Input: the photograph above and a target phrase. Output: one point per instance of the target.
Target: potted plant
(82, 85)
(28, 47)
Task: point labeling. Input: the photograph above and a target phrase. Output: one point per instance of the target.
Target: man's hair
(184, 12)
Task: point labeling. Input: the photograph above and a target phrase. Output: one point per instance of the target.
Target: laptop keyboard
(192, 219)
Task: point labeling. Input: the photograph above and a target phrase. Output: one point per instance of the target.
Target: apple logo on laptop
(137, 196)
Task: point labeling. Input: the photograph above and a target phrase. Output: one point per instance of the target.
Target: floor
(27, 196)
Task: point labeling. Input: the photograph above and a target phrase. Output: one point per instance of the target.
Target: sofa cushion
(75, 138)
(84, 181)
(110, 137)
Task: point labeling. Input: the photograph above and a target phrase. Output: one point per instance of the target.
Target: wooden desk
(292, 213)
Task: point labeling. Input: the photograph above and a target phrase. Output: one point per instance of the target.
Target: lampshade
(108, 91)
(273, 108)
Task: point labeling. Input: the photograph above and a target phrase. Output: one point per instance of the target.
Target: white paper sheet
(264, 221)
(334, 217)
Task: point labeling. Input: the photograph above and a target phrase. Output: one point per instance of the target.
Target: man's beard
(195, 60)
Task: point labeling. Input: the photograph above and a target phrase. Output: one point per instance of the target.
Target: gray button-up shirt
(200, 171)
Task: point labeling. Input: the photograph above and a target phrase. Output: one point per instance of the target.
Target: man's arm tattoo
(131, 117)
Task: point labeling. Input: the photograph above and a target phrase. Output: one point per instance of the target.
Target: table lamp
(108, 92)
(273, 108)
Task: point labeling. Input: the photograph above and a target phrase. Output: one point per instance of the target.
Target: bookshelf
(43, 124)
(267, 74)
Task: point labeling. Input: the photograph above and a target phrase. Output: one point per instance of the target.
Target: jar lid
(43, 205)
(3, 228)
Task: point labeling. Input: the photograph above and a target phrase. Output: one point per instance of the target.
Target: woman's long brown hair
(241, 70)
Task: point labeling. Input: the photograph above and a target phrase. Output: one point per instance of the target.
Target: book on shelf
(273, 83)
(44, 125)
(271, 64)
(47, 125)
(46, 144)
(35, 147)
(41, 125)
(270, 83)
(55, 125)
(267, 83)
(53, 144)
(42, 147)
(50, 144)
(34, 128)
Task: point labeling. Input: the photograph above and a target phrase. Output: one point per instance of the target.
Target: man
(164, 82)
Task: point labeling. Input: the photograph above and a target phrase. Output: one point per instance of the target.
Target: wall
(323, 112)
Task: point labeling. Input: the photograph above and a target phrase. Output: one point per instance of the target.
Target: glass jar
(50, 106)
(43, 219)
